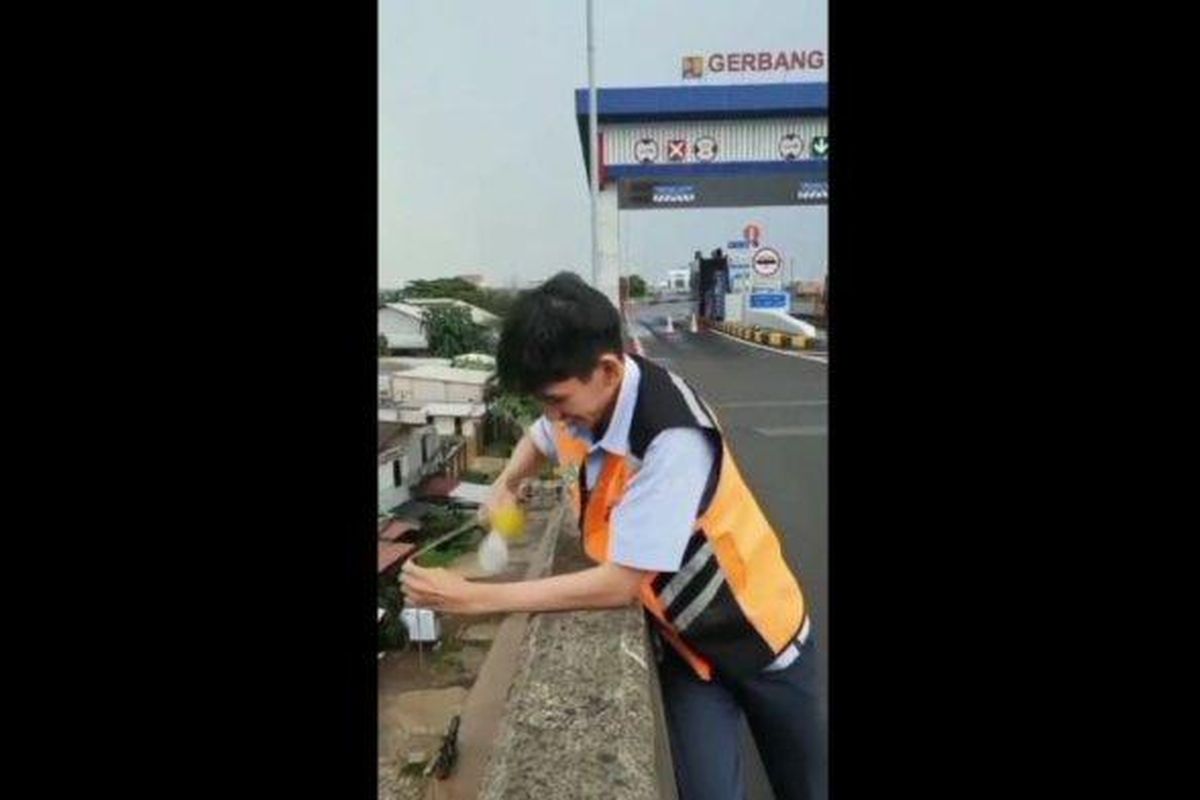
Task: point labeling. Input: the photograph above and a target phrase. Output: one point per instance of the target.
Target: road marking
(794, 430)
(772, 403)
(789, 353)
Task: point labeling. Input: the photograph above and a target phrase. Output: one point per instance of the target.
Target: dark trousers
(703, 719)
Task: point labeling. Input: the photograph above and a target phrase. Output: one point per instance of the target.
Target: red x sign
(676, 149)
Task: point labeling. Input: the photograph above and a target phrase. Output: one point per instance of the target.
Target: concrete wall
(464, 393)
(583, 694)
(779, 321)
(473, 432)
(391, 495)
(409, 390)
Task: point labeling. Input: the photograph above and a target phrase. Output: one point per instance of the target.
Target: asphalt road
(774, 411)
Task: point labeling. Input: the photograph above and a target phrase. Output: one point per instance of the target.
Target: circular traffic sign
(791, 147)
(646, 150)
(766, 261)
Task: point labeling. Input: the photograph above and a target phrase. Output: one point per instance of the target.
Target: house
(449, 398)
(410, 455)
(433, 383)
(392, 364)
(459, 419)
(407, 453)
(478, 315)
(401, 325)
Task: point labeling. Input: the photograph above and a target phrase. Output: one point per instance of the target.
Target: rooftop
(455, 409)
(390, 433)
(478, 315)
(434, 372)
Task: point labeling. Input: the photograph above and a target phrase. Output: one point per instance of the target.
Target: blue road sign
(769, 300)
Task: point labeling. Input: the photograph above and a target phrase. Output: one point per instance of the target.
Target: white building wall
(400, 329)
(391, 495)
(464, 393)
(425, 391)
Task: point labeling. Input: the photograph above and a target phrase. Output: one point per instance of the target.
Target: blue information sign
(769, 300)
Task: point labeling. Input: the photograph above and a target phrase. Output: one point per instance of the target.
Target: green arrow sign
(820, 145)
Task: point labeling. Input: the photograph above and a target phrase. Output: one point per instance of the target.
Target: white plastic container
(421, 623)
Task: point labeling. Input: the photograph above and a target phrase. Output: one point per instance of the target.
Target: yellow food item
(509, 522)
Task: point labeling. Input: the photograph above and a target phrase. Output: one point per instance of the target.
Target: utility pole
(593, 146)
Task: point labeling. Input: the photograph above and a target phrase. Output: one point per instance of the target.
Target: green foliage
(467, 362)
(392, 633)
(637, 286)
(444, 554)
(383, 345)
(519, 409)
(451, 332)
(438, 521)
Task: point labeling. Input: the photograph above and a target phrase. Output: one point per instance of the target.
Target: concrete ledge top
(579, 719)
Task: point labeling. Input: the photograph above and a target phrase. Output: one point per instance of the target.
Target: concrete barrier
(583, 717)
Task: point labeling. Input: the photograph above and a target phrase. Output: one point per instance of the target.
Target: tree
(510, 414)
(383, 345)
(637, 286)
(450, 332)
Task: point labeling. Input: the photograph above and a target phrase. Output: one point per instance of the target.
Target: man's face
(588, 402)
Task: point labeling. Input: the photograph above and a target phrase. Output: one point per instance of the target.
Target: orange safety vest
(734, 604)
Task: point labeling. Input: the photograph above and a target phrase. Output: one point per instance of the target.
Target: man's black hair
(554, 332)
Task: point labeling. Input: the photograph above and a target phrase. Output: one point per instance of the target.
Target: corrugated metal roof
(675, 143)
(478, 315)
(415, 312)
(396, 528)
(392, 552)
(391, 433)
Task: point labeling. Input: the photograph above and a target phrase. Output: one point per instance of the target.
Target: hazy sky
(480, 168)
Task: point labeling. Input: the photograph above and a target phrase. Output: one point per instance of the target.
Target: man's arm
(603, 586)
(525, 462)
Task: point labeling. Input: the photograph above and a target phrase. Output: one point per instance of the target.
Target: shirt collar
(616, 437)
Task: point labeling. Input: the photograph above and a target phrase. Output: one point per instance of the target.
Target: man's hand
(438, 589)
(499, 497)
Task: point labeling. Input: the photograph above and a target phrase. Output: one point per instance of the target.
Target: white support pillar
(609, 236)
